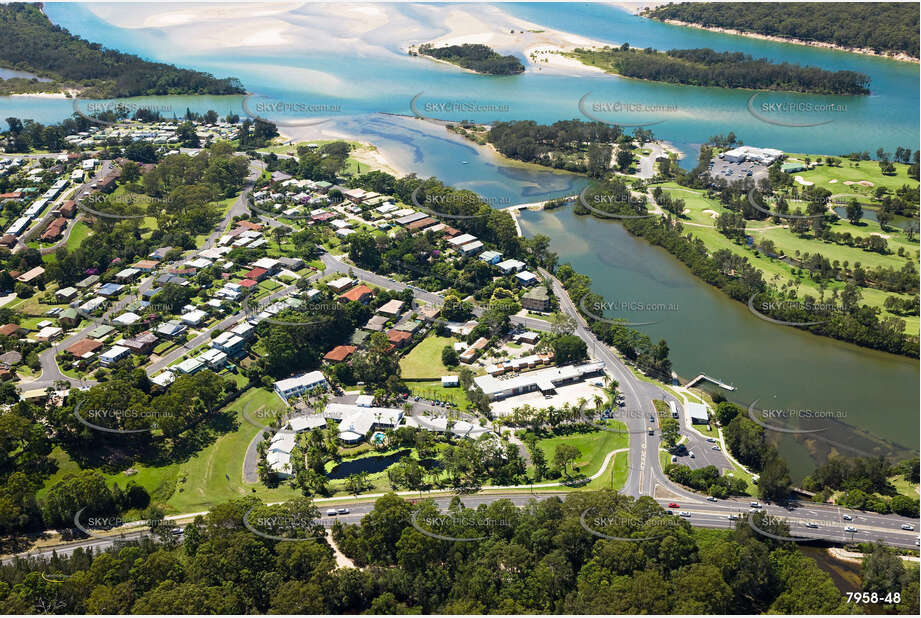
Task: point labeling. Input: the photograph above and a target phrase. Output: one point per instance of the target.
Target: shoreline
(863, 51)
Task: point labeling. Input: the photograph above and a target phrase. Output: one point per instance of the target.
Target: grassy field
(78, 234)
(616, 476)
(424, 361)
(699, 222)
(594, 446)
(853, 171)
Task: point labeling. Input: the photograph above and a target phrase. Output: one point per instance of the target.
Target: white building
(544, 380)
(291, 387)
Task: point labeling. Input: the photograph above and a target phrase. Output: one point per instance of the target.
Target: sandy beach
(367, 154)
(541, 46)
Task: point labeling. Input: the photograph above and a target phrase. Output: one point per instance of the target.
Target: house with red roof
(257, 274)
(339, 353)
(360, 293)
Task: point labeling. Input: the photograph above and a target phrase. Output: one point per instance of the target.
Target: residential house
(142, 344)
(536, 299)
(341, 284)
(391, 308)
(109, 289)
(32, 275)
(510, 266)
(398, 337)
(339, 353)
(66, 294)
(69, 317)
(361, 293)
(113, 354)
(85, 348)
(526, 278)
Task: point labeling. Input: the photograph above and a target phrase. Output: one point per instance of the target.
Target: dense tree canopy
(882, 26)
(30, 42)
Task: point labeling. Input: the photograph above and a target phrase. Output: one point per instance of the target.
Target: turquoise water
(362, 84)
(709, 333)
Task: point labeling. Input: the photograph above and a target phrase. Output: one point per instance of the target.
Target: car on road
(176, 531)
(850, 529)
(755, 505)
(330, 512)
(715, 448)
(711, 439)
(691, 454)
(711, 498)
(846, 517)
(342, 511)
(684, 514)
(811, 524)
(732, 517)
(674, 459)
(652, 432)
(652, 419)
(673, 505)
(907, 527)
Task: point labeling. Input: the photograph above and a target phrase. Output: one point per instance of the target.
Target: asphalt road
(700, 513)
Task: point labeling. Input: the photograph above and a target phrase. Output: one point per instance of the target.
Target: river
(873, 395)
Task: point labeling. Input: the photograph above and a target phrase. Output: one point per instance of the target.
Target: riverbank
(865, 51)
(367, 153)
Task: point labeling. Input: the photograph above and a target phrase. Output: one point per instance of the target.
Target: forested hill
(881, 26)
(30, 42)
(705, 67)
(475, 57)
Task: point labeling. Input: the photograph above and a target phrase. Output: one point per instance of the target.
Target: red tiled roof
(83, 347)
(256, 273)
(396, 336)
(9, 329)
(340, 353)
(248, 283)
(356, 293)
(249, 225)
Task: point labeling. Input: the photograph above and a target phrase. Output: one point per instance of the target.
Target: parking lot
(733, 172)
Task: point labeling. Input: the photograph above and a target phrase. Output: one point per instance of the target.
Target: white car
(714, 448)
(846, 517)
(711, 499)
(342, 511)
(811, 524)
(331, 512)
(850, 529)
(732, 517)
(684, 514)
(907, 527)
(755, 505)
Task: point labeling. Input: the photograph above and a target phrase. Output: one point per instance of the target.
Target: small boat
(464, 162)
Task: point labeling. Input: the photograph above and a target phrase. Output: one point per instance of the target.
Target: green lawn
(78, 234)
(424, 360)
(700, 223)
(854, 171)
(616, 476)
(434, 390)
(594, 446)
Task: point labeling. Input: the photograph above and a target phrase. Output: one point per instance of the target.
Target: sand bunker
(803, 181)
(865, 183)
(832, 181)
(712, 213)
(848, 182)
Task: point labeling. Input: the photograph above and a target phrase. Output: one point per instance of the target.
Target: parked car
(691, 454)
(711, 439)
(715, 448)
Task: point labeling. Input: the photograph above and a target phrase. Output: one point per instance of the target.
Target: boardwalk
(702, 377)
